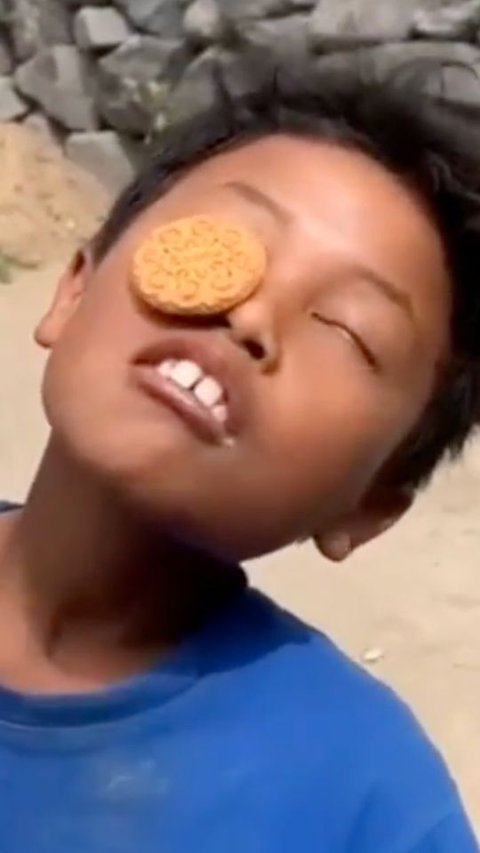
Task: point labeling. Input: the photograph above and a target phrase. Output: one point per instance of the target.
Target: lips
(197, 380)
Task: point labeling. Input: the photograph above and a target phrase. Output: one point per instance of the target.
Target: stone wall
(103, 77)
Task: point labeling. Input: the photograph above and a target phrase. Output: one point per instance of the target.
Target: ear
(377, 513)
(69, 293)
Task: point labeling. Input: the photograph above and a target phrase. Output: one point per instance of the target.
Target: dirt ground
(407, 607)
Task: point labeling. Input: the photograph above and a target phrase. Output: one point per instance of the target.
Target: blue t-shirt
(256, 735)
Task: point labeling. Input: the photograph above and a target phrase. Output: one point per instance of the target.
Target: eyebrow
(394, 293)
(260, 198)
(397, 296)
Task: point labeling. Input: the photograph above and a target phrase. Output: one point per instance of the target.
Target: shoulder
(345, 734)
(307, 666)
(450, 835)
(315, 678)
(308, 676)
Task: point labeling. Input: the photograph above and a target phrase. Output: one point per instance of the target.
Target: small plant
(5, 269)
(9, 264)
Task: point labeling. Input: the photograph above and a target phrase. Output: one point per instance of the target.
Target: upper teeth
(191, 377)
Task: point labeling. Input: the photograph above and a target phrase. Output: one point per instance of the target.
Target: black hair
(427, 141)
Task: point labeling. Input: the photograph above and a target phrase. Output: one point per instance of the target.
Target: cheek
(321, 447)
(68, 397)
(84, 363)
(80, 379)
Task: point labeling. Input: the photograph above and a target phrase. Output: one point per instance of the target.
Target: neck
(90, 575)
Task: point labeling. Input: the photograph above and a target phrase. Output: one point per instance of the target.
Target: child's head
(349, 373)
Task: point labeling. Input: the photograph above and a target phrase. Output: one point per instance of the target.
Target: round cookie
(198, 265)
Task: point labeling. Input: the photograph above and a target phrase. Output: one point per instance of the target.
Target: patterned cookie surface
(198, 265)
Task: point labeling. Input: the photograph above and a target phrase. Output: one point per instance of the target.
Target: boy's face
(325, 369)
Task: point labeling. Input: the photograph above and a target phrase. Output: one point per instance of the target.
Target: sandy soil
(47, 205)
(409, 605)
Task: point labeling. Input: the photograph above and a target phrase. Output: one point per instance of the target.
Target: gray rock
(12, 106)
(348, 23)
(450, 69)
(104, 155)
(39, 123)
(283, 36)
(156, 17)
(133, 81)
(198, 89)
(5, 11)
(235, 70)
(98, 29)
(75, 4)
(203, 22)
(6, 60)
(244, 10)
(35, 25)
(458, 20)
(57, 79)
(43, 127)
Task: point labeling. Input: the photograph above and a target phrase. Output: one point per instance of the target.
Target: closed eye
(352, 337)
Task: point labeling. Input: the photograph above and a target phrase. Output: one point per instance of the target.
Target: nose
(252, 327)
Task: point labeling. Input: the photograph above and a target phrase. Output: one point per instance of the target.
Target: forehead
(337, 194)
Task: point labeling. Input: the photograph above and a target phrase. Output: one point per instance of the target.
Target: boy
(150, 701)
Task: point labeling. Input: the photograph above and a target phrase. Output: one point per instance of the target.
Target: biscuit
(198, 266)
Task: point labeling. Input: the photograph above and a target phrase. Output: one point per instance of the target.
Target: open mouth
(199, 398)
(190, 377)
